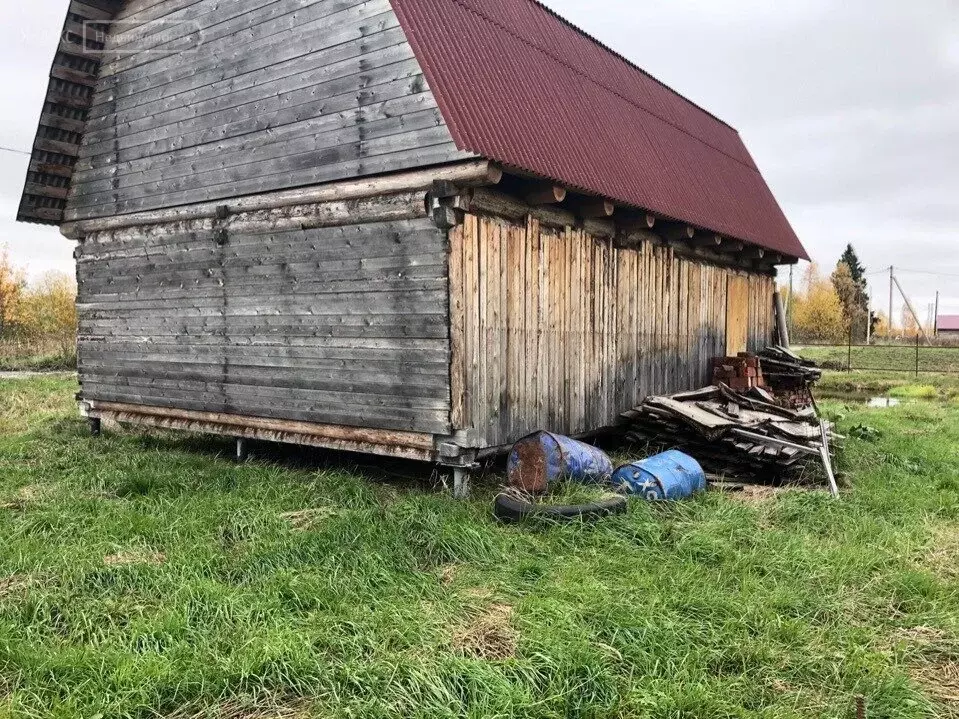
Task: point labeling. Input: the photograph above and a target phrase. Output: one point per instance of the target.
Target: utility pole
(935, 317)
(789, 303)
(892, 279)
(912, 311)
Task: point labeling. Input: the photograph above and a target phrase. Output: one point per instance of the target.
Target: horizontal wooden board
(277, 95)
(239, 113)
(310, 135)
(300, 171)
(207, 80)
(329, 66)
(435, 422)
(359, 344)
(249, 81)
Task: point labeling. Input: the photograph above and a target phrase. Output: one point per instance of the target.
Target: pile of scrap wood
(743, 435)
(741, 373)
(789, 376)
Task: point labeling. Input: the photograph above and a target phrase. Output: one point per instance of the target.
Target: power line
(10, 149)
(913, 272)
(927, 272)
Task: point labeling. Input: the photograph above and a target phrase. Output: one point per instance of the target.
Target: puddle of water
(883, 402)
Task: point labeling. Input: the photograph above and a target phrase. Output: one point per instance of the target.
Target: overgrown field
(901, 358)
(148, 576)
(40, 355)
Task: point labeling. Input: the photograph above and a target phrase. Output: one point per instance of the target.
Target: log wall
(556, 329)
(205, 99)
(289, 313)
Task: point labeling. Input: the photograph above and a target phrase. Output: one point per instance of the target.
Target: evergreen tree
(850, 283)
(856, 270)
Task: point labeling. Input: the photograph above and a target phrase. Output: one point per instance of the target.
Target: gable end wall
(212, 100)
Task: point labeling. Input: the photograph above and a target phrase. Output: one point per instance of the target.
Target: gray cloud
(851, 110)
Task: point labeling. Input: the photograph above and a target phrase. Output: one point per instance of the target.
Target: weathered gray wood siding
(203, 99)
(338, 325)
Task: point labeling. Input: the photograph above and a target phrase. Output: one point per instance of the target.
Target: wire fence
(916, 358)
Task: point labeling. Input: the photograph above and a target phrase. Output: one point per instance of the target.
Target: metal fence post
(849, 359)
(917, 355)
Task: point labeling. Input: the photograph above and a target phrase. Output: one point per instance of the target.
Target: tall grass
(145, 575)
(37, 354)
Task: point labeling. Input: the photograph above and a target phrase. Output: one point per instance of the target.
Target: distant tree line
(835, 308)
(40, 313)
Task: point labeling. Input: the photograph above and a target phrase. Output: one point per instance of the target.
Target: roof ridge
(469, 8)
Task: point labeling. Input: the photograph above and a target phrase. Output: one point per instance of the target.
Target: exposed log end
(706, 239)
(731, 246)
(546, 195)
(675, 232)
(595, 208)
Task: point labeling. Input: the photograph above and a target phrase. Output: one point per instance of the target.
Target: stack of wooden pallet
(789, 376)
(737, 434)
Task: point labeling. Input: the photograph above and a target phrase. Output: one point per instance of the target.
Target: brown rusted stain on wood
(330, 432)
(738, 302)
(457, 328)
(562, 330)
(407, 445)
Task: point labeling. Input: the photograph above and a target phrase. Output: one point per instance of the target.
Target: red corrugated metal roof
(948, 322)
(521, 86)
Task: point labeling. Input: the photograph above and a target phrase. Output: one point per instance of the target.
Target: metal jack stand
(242, 449)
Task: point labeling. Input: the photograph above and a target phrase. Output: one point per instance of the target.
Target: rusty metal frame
(387, 443)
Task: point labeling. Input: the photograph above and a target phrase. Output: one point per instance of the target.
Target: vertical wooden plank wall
(556, 329)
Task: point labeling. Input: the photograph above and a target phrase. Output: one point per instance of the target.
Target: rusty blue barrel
(668, 476)
(543, 458)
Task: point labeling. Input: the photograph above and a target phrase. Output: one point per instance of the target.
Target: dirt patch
(940, 681)
(25, 496)
(934, 667)
(14, 585)
(134, 557)
(478, 594)
(488, 635)
(757, 493)
(246, 710)
(921, 636)
(447, 574)
(304, 519)
(943, 555)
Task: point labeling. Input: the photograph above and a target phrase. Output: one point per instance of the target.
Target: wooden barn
(419, 228)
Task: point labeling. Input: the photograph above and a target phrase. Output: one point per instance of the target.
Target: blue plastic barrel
(543, 458)
(668, 476)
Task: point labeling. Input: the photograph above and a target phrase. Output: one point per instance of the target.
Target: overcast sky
(851, 110)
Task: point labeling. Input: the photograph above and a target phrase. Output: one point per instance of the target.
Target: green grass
(39, 363)
(863, 385)
(885, 358)
(145, 575)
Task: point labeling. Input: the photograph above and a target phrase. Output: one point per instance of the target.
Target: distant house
(947, 326)
(420, 228)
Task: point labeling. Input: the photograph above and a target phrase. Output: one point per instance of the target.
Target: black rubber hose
(508, 508)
